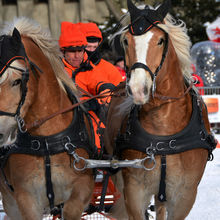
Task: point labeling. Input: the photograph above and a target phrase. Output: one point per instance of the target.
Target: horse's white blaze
(140, 85)
(141, 82)
(141, 46)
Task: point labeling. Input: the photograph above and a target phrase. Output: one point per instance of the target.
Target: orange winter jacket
(111, 72)
(93, 81)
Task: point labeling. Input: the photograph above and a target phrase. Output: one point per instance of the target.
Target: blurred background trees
(196, 14)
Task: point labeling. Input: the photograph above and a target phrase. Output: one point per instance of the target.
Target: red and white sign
(213, 106)
(213, 30)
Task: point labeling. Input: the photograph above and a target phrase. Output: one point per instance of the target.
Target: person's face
(121, 64)
(92, 46)
(74, 58)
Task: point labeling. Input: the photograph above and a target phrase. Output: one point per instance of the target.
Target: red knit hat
(71, 36)
(91, 31)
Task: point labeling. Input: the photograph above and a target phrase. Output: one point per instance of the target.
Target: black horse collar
(194, 135)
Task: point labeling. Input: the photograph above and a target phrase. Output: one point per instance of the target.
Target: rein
(165, 98)
(39, 122)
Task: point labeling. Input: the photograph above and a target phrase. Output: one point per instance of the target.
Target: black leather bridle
(142, 65)
(16, 114)
(24, 81)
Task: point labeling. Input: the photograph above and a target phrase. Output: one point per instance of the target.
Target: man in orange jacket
(94, 38)
(73, 43)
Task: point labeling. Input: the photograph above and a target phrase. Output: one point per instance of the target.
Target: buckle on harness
(35, 144)
(21, 123)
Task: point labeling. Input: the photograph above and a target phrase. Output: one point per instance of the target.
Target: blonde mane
(49, 46)
(178, 34)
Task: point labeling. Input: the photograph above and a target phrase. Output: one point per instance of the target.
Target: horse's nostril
(1, 136)
(129, 90)
(145, 91)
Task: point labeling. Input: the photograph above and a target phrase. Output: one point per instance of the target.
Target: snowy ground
(207, 205)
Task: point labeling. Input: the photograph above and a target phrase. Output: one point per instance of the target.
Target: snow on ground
(207, 204)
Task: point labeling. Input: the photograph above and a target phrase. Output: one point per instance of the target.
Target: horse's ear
(16, 35)
(164, 8)
(132, 8)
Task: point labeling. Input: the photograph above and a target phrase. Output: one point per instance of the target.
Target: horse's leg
(160, 209)
(183, 182)
(10, 206)
(28, 205)
(118, 211)
(179, 209)
(9, 203)
(81, 195)
(21, 207)
(136, 198)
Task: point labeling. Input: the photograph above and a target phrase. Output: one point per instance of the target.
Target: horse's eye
(161, 41)
(16, 82)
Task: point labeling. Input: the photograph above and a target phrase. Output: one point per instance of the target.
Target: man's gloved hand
(106, 97)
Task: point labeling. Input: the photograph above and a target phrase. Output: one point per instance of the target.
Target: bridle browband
(142, 65)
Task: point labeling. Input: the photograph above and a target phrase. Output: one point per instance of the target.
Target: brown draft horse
(162, 118)
(45, 94)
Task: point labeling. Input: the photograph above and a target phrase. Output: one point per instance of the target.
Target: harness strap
(143, 66)
(166, 98)
(104, 190)
(49, 184)
(162, 187)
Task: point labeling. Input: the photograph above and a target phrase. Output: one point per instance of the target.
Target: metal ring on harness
(77, 161)
(21, 124)
(152, 160)
(77, 158)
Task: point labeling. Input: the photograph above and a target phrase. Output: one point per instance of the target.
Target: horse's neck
(50, 98)
(166, 117)
(44, 95)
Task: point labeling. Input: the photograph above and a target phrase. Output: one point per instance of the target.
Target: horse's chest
(31, 176)
(62, 179)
